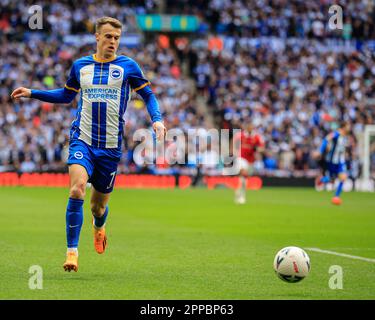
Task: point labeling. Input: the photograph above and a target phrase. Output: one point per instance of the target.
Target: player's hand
(20, 92)
(159, 129)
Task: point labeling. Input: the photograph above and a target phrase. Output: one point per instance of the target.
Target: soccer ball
(292, 264)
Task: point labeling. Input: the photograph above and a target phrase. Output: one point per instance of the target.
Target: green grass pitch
(188, 244)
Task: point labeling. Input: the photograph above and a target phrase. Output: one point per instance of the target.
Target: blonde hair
(104, 20)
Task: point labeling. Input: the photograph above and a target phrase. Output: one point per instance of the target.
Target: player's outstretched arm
(63, 95)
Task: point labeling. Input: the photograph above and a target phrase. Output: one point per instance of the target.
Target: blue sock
(339, 189)
(74, 220)
(99, 222)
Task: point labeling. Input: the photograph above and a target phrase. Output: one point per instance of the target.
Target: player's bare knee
(343, 177)
(78, 190)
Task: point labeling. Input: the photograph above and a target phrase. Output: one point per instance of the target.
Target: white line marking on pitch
(341, 254)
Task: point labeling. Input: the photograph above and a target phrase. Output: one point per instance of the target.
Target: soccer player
(246, 143)
(104, 81)
(332, 159)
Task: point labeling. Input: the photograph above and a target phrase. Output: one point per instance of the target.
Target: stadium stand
(275, 63)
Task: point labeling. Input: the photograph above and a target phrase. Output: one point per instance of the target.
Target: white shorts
(242, 164)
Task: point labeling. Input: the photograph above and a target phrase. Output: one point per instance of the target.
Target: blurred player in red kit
(246, 144)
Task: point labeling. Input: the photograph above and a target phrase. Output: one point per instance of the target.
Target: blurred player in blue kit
(332, 159)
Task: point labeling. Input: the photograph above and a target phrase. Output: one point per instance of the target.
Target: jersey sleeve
(323, 146)
(73, 83)
(62, 95)
(137, 79)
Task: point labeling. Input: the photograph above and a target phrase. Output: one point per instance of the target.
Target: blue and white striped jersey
(105, 89)
(336, 147)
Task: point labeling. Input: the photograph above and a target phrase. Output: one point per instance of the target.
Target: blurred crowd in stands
(264, 61)
(293, 94)
(280, 18)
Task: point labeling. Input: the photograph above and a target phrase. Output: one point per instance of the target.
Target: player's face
(249, 128)
(108, 40)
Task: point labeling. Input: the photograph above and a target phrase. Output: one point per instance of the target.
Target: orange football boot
(71, 262)
(336, 200)
(100, 239)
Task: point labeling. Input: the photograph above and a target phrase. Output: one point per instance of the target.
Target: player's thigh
(80, 168)
(77, 173)
(80, 162)
(78, 179)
